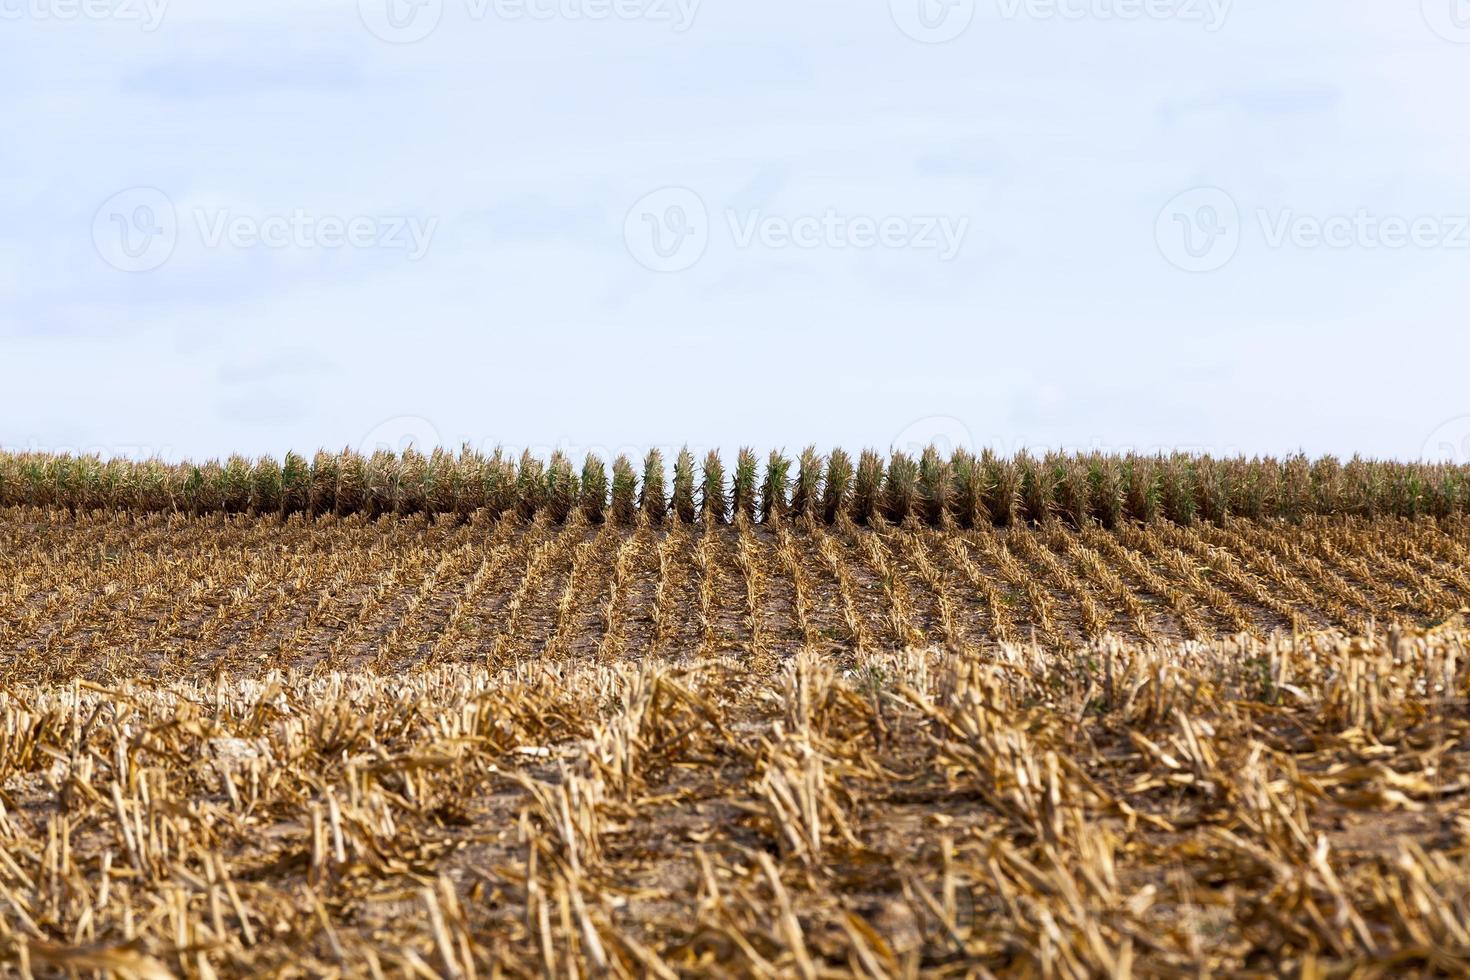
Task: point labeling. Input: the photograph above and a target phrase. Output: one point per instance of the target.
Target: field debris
(541, 745)
(1292, 805)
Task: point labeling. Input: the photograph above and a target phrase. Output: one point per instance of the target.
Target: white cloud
(529, 140)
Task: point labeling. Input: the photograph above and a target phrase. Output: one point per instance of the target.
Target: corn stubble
(452, 715)
(1224, 807)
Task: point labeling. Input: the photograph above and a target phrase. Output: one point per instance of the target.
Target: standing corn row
(964, 489)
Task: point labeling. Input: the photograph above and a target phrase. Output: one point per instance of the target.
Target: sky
(1233, 226)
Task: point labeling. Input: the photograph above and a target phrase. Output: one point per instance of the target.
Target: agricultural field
(458, 716)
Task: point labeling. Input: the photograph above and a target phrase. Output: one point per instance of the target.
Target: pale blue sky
(502, 167)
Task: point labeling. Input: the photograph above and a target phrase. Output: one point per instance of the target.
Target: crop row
(965, 489)
(113, 595)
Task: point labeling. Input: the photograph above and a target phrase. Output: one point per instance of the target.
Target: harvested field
(108, 596)
(667, 740)
(1292, 806)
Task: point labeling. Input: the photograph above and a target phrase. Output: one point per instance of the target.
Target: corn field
(832, 716)
(963, 488)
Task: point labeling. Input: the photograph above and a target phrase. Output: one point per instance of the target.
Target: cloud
(282, 365)
(1279, 100)
(206, 79)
